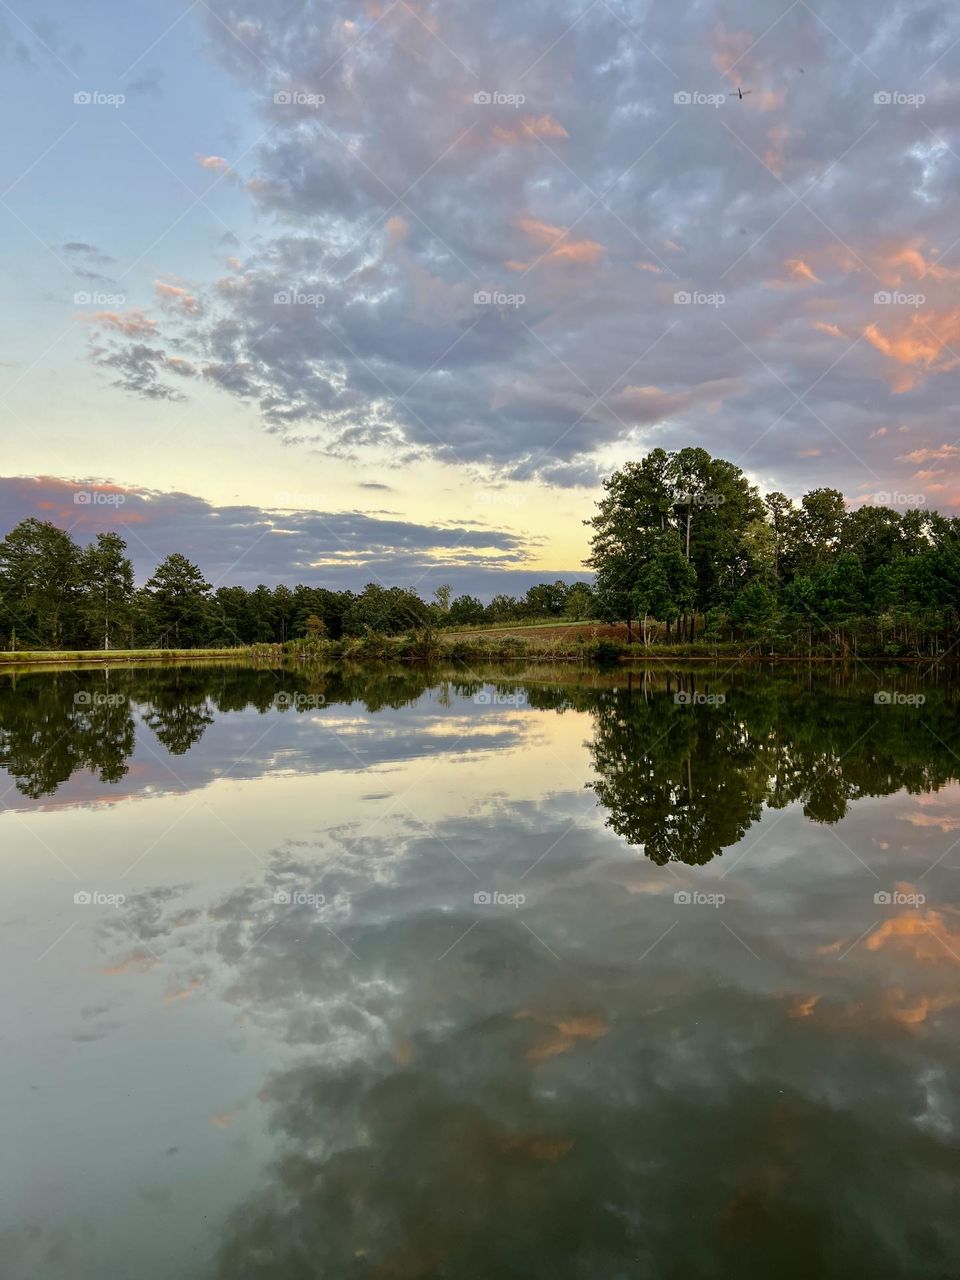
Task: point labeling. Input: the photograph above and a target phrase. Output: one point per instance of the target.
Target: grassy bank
(583, 644)
(101, 657)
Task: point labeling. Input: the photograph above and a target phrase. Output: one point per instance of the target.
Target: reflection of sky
(248, 743)
(257, 1088)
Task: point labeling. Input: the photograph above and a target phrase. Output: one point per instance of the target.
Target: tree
(465, 611)
(666, 583)
(39, 588)
(106, 590)
(581, 602)
(177, 602)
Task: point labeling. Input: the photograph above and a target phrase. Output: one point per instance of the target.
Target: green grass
(100, 656)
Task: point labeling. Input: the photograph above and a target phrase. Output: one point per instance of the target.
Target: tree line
(683, 548)
(686, 548)
(55, 594)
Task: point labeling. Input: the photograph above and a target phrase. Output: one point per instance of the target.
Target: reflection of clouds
(235, 744)
(422, 1101)
(429, 1068)
(939, 810)
(924, 935)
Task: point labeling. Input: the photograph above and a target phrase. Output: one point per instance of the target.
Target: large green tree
(176, 601)
(106, 591)
(39, 586)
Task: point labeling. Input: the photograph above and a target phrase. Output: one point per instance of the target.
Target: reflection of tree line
(55, 724)
(687, 781)
(684, 781)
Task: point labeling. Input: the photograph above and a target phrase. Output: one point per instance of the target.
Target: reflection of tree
(686, 781)
(46, 734)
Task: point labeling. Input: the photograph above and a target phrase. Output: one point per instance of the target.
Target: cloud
(216, 164)
(557, 244)
(129, 323)
(528, 129)
(248, 545)
(398, 198)
(922, 343)
(176, 297)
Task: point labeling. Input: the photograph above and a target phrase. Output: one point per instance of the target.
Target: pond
(548, 973)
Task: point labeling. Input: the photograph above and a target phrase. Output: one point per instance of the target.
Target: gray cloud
(400, 198)
(247, 545)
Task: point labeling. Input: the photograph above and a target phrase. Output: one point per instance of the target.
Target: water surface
(420, 974)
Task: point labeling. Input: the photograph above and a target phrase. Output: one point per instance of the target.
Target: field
(546, 631)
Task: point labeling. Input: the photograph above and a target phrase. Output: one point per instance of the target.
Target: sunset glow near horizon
(342, 292)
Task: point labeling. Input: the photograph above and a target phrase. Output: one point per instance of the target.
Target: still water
(414, 974)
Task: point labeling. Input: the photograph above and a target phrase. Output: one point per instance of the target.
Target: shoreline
(67, 659)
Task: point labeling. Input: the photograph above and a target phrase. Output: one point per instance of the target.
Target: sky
(348, 292)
